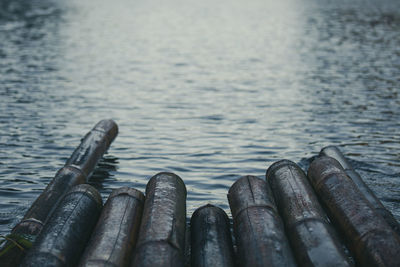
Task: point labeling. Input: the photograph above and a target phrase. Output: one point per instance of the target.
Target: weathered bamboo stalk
(76, 171)
(64, 237)
(116, 232)
(211, 242)
(259, 231)
(372, 240)
(313, 239)
(65, 179)
(334, 152)
(161, 239)
(93, 146)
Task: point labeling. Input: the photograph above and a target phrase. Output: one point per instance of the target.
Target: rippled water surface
(210, 90)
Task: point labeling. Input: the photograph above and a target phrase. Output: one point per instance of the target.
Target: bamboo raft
(328, 217)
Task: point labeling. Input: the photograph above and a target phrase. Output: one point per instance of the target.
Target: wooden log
(162, 232)
(312, 237)
(115, 235)
(259, 231)
(211, 241)
(64, 237)
(76, 171)
(334, 152)
(372, 241)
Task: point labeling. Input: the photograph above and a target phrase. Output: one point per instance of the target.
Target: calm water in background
(210, 90)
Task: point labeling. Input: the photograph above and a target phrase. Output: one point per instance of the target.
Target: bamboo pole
(211, 242)
(76, 171)
(116, 232)
(372, 241)
(63, 239)
(334, 152)
(312, 237)
(162, 231)
(259, 231)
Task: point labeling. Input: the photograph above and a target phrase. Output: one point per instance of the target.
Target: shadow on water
(104, 177)
(103, 174)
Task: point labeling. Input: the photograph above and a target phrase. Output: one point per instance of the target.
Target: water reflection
(102, 176)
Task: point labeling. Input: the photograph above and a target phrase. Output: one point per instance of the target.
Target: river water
(209, 90)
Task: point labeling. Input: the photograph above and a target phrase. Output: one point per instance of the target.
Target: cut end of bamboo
(249, 191)
(132, 192)
(278, 165)
(109, 127)
(166, 178)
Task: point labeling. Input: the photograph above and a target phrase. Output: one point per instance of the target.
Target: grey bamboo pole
(372, 241)
(63, 238)
(76, 171)
(211, 241)
(161, 239)
(334, 152)
(259, 231)
(311, 235)
(116, 232)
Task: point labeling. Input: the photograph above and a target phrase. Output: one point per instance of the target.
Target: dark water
(210, 90)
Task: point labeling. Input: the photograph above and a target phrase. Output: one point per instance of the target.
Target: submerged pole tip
(166, 177)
